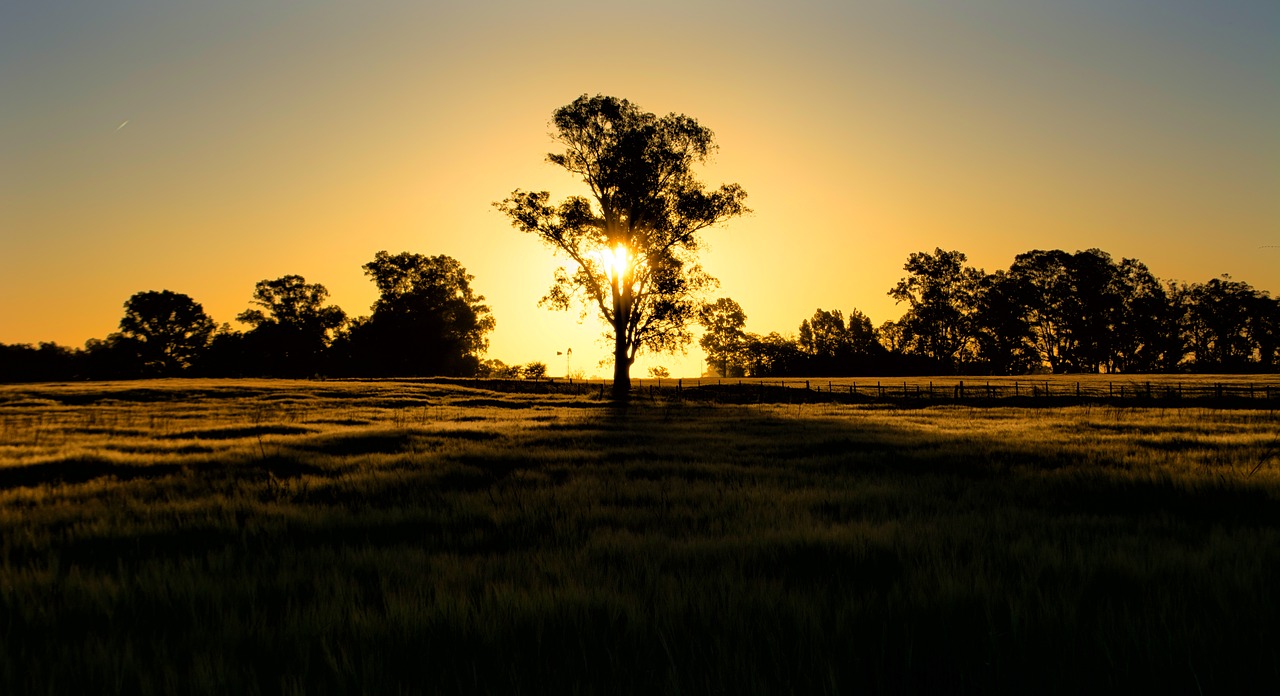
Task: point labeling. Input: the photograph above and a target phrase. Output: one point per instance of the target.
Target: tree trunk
(621, 369)
(621, 356)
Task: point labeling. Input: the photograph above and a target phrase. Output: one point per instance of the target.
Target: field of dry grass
(337, 537)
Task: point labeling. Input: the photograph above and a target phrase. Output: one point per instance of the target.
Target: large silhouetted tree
(168, 330)
(292, 326)
(427, 320)
(632, 247)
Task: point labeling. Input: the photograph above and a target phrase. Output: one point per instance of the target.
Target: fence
(1165, 390)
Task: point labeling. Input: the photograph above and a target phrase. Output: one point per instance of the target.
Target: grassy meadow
(216, 537)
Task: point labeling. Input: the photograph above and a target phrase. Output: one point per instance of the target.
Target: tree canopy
(292, 326)
(633, 246)
(426, 321)
(168, 329)
(723, 338)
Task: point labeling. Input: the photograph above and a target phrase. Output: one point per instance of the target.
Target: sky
(201, 147)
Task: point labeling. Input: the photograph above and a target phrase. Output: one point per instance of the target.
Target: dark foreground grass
(258, 537)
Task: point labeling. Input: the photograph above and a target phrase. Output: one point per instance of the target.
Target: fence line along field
(440, 537)
(1254, 389)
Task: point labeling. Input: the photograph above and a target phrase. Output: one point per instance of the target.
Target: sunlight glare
(615, 262)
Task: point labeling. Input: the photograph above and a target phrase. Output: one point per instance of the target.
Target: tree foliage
(167, 329)
(723, 338)
(426, 321)
(632, 247)
(292, 327)
(939, 290)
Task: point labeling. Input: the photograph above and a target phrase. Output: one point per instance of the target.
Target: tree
(1001, 328)
(771, 356)
(939, 291)
(1219, 324)
(1146, 336)
(632, 247)
(494, 368)
(534, 370)
(426, 321)
(832, 347)
(724, 338)
(48, 362)
(293, 326)
(824, 336)
(169, 330)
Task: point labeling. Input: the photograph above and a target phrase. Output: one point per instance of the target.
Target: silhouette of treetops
(1050, 311)
(426, 321)
(292, 327)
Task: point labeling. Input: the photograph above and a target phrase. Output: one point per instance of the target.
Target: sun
(616, 262)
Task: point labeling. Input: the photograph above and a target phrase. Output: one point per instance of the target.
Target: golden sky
(261, 139)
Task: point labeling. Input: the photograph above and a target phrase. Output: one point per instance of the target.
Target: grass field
(425, 537)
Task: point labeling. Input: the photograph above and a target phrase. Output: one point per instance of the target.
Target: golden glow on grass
(191, 523)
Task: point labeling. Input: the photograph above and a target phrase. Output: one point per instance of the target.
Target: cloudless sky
(267, 138)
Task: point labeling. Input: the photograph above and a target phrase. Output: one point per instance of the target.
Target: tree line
(1050, 311)
(427, 320)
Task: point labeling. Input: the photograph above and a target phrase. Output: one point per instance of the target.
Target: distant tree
(1145, 337)
(494, 368)
(825, 336)
(723, 339)
(1039, 281)
(632, 247)
(1001, 329)
(534, 370)
(659, 372)
(893, 336)
(228, 354)
(864, 339)
(292, 326)
(939, 291)
(1074, 305)
(113, 357)
(48, 362)
(168, 329)
(1095, 305)
(426, 321)
(1264, 329)
(772, 356)
(1220, 330)
(833, 347)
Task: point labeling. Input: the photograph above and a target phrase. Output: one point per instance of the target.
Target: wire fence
(1257, 391)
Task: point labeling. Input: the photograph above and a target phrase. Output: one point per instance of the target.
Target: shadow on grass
(683, 548)
(79, 469)
(238, 432)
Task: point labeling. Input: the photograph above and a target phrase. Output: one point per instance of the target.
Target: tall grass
(356, 537)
